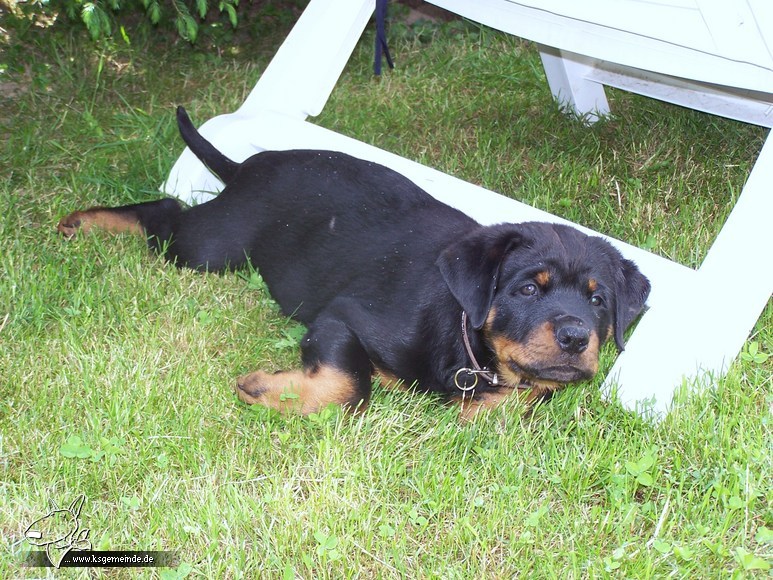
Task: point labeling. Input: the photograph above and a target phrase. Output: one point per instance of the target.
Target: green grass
(108, 353)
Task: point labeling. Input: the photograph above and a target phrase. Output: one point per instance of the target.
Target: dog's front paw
(250, 388)
(300, 391)
(69, 225)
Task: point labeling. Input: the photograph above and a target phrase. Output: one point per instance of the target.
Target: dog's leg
(152, 219)
(483, 400)
(336, 370)
(492, 397)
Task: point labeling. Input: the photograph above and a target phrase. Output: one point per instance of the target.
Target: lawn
(116, 370)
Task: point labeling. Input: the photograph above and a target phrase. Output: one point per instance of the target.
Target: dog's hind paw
(249, 388)
(69, 225)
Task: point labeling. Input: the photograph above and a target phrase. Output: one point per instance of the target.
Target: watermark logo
(67, 544)
(59, 531)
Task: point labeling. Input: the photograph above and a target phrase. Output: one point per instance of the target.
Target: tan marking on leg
(488, 400)
(471, 405)
(97, 217)
(537, 390)
(389, 381)
(300, 392)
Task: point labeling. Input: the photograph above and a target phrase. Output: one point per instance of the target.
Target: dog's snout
(572, 335)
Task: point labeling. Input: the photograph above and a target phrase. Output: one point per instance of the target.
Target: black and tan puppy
(391, 282)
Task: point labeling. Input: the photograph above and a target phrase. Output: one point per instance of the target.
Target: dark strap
(467, 378)
(381, 42)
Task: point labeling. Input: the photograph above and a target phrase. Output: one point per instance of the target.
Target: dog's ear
(631, 291)
(470, 267)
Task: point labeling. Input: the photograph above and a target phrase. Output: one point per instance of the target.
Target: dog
(391, 283)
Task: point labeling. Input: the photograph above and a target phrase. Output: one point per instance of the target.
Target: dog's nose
(572, 335)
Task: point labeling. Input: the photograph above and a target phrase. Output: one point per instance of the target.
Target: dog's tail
(217, 163)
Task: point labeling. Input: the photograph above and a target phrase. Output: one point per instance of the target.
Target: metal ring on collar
(465, 388)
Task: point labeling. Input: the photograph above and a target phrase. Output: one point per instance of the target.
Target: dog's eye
(596, 300)
(528, 290)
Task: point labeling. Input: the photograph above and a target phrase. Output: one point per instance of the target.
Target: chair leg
(566, 74)
(701, 323)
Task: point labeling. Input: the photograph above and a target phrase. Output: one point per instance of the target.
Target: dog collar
(466, 378)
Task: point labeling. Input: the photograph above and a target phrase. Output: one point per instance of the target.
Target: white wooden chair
(712, 55)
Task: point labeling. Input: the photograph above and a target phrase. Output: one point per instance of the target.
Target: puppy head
(546, 297)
